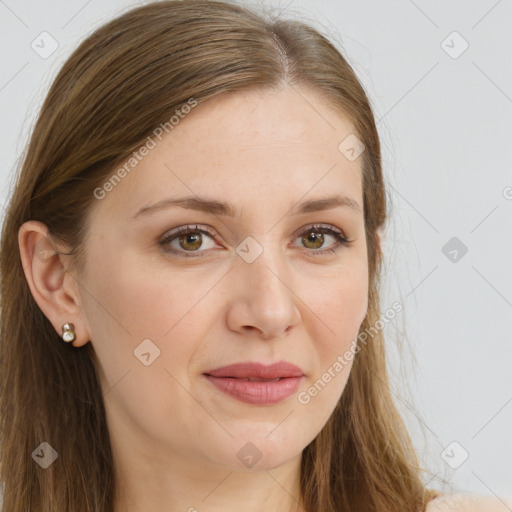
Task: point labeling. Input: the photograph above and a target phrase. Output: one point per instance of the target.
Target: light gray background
(445, 125)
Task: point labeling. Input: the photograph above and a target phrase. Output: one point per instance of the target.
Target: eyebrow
(215, 207)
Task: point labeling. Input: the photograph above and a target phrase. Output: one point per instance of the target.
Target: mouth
(252, 379)
(257, 383)
(259, 371)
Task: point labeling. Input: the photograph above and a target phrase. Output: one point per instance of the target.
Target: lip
(274, 383)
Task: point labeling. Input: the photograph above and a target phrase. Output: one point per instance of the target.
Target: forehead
(246, 147)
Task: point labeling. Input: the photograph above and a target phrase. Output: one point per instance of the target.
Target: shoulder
(469, 503)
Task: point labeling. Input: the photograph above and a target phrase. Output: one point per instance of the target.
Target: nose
(264, 303)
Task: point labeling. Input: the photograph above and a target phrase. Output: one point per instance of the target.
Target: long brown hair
(122, 82)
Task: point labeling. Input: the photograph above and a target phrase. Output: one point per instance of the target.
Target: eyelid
(337, 233)
(319, 226)
(187, 228)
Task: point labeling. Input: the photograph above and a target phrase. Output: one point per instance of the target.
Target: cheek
(139, 298)
(338, 306)
(128, 304)
(338, 314)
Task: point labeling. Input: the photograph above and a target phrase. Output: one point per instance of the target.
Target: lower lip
(257, 392)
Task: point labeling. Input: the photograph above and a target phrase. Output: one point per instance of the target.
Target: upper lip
(252, 370)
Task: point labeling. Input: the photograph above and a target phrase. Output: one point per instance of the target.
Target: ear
(54, 289)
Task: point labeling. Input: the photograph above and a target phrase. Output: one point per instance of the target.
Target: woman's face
(259, 284)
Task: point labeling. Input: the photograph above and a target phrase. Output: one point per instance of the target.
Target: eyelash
(317, 228)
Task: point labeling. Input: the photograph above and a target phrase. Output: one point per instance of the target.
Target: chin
(253, 452)
(263, 452)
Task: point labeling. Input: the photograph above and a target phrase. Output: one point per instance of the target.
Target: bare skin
(469, 503)
(176, 438)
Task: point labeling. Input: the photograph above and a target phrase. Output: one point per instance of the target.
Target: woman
(190, 269)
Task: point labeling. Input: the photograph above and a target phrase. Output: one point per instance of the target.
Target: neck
(194, 486)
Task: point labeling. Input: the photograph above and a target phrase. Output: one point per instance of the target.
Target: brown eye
(188, 240)
(314, 238)
(191, 242)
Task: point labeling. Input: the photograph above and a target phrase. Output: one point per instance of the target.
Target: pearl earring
(68, 333)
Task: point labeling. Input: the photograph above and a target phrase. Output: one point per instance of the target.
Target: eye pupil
(190, 239)
(194, 239)
(315, 238)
